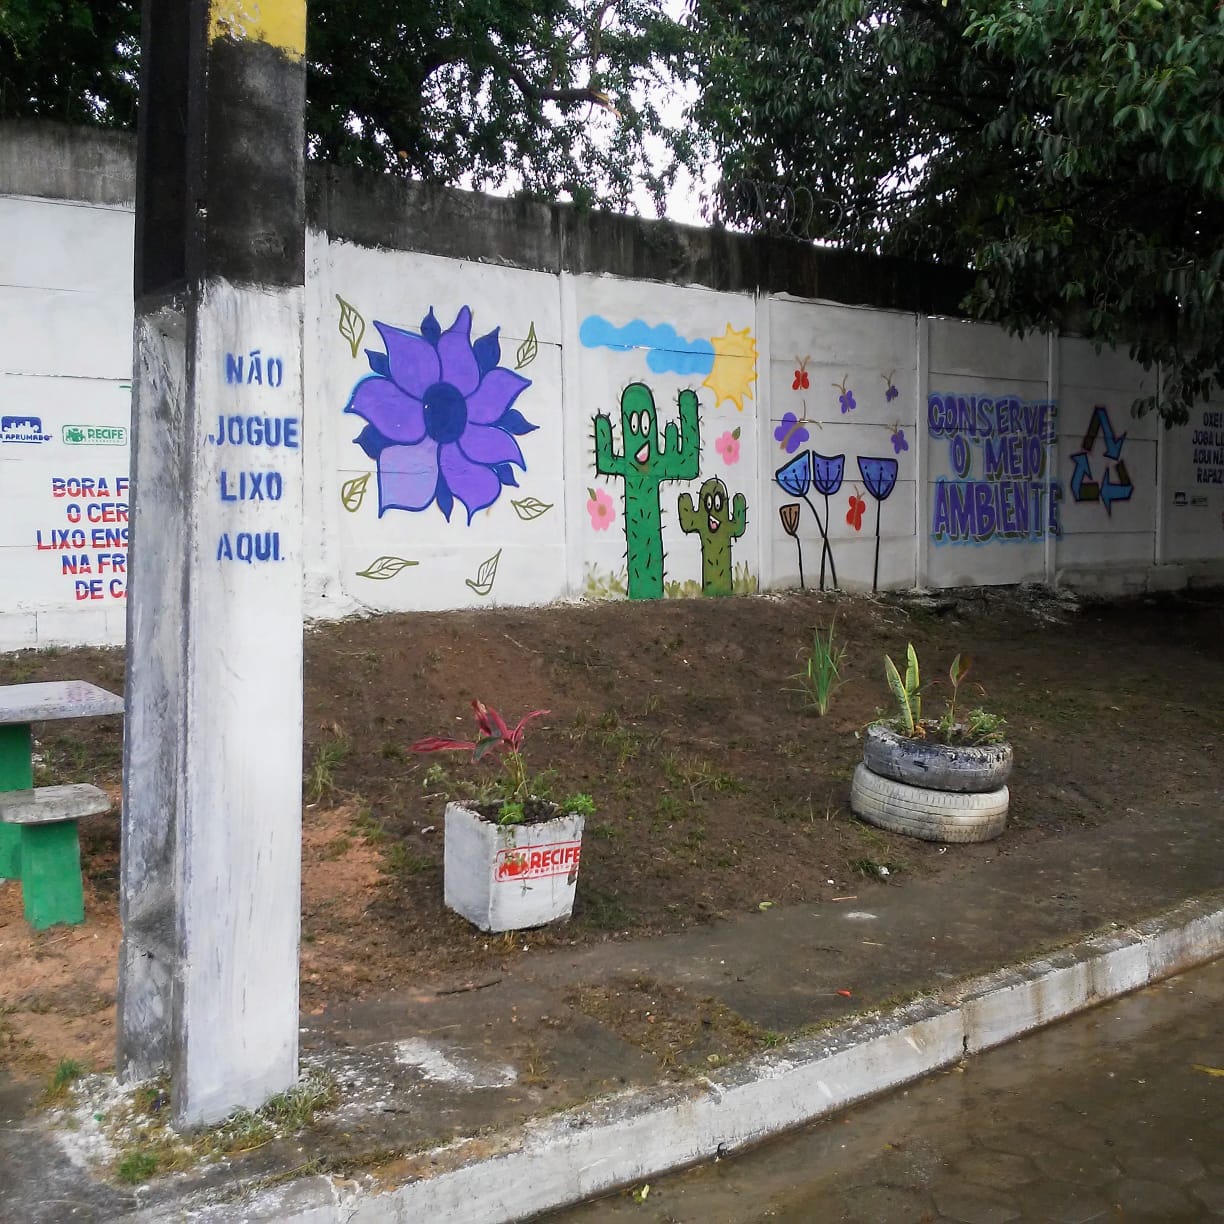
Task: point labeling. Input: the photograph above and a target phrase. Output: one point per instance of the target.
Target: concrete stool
(50, 850)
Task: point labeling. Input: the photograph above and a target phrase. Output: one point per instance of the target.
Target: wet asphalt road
(1117, 1115)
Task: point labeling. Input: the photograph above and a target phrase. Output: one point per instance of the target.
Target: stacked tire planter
(938, 792)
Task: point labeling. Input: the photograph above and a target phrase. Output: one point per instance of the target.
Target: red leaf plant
(495, 736)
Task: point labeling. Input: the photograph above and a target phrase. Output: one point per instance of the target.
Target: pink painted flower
(601, 509)
(728, 446)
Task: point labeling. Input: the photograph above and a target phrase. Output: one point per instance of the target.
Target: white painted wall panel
(769, 375)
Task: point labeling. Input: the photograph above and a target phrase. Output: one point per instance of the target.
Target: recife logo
(536, 862)
(22, 429)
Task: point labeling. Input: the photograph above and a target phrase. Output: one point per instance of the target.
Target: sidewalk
(495, 1098)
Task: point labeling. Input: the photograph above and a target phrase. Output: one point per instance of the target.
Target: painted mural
(718, 520)
(644, 462)
(654, 452)
(441, 425)
(1111, 481)
(997, 448)
(812, 472)
(621, 443)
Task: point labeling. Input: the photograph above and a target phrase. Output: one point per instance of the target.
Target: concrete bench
(49, 848)
(38, 829)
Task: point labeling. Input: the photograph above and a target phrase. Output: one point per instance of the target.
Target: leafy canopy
(558, 97)
(1070, 152)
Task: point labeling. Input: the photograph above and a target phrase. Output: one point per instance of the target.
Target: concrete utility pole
(208, 983)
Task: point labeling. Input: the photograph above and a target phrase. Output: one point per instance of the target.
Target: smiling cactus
(717, 520)
(644, 465)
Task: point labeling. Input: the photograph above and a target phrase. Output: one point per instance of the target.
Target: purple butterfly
(791, 433)
(898, 441)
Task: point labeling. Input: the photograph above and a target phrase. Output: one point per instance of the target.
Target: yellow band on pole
(280, 23)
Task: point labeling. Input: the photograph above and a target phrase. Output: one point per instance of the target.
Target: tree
(1069, 152)
(556, 97)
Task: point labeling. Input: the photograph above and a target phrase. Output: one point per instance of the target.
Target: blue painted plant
(880, 477)
(440, 420)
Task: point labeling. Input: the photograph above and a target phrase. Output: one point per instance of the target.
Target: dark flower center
(445, 413)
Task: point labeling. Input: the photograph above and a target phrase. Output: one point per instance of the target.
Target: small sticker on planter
(535, 862)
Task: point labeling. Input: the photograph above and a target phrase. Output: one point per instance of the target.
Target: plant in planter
(511, 854)
(941, 779)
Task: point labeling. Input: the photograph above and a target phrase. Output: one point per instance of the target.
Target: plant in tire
(978, 726)
(940, 779)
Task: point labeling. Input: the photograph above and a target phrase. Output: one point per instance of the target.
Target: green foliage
(906, 692)
(136, 1167)
(984, 728)
(580, 804)
(821, 674)
(72, 60)
(66, 1073)
(979, 727)
(1069, 152)
(956, 676)
(559, 97)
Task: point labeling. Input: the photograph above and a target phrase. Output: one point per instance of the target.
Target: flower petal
(484, 444)
(407, 476)
(396, 415)
(455, 355)
(500, 388)
(411, 359)
(487, 350)
(475, 485)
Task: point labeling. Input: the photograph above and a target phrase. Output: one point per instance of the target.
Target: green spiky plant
(821, 674)
(908, 692)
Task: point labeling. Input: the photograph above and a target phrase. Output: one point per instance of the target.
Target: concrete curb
(641, 1134)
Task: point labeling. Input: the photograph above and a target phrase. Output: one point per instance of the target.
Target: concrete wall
(477, 371)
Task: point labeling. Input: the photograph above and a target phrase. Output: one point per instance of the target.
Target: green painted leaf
(531, 508)
(385, 567)
(482, 584)
(527, 350)
(352, 325)
(352, 492)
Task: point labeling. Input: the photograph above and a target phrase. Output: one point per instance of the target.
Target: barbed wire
(779, 209)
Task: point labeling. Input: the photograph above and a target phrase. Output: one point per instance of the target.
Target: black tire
(932, 815)
(962, 768)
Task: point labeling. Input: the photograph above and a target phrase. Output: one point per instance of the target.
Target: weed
(66, 1073)
(136, 1167)
(696, 773)
(403, 861)
(821, 674)
(391, 751)
(580, 804)
(321, 776)
(366, 825)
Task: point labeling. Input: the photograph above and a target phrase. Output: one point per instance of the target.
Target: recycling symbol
(1111, 487)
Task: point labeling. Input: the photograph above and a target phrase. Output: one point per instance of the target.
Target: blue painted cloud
(667, 352)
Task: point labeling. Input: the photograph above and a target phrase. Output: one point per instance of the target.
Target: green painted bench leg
(51, 874)
(16, 773)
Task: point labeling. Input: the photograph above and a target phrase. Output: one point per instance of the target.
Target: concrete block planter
(509, 877)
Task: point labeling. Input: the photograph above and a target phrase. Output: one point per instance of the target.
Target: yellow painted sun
(734, 372)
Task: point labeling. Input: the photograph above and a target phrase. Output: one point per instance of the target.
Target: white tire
(933, 815)
(925, 762)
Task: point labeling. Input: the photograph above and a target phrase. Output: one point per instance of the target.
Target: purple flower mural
(440, 421)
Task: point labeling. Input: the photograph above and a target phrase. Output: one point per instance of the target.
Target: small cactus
(717, 520)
